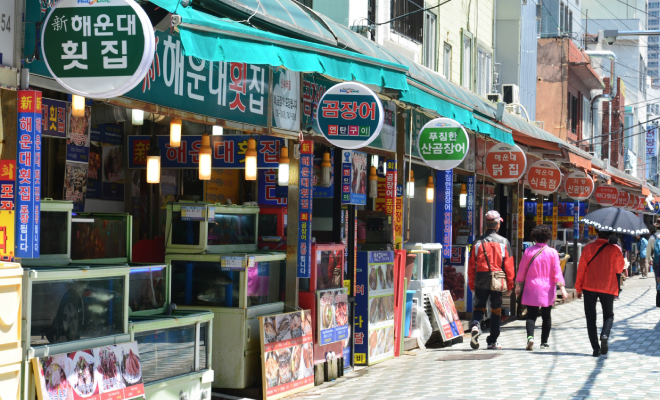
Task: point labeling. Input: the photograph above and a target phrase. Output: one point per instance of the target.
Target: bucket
(409, 304)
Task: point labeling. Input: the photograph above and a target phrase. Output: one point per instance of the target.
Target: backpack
(656, 250)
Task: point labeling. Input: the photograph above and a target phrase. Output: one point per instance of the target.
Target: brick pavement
(567, 370)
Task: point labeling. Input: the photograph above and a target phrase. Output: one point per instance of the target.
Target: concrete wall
(552, 81)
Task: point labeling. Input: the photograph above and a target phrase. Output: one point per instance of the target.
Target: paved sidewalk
(567, 370)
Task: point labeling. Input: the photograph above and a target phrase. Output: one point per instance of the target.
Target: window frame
(430, 40)
(399, 26)
(470, 68)
(487, 74)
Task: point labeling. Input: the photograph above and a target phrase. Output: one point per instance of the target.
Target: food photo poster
(445, 313)
(287, 353)
(333, 316)
(109, 372)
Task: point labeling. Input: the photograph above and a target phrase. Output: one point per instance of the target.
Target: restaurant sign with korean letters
(623, 199)
(579, 186)
(350, 115)
(98, 48)
(506, 163)
(544, 177)
(606, 195)
(442, 143)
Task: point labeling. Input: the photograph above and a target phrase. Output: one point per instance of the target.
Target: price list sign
(305, 182)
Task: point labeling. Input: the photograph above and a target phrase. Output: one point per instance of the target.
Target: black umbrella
(615, 220)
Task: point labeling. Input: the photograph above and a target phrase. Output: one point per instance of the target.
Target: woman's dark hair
(541, 233)
(614, 239)
(604, 234)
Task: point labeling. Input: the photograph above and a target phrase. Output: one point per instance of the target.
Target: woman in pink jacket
(539, 270)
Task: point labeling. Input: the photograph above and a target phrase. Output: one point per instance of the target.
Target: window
(586, 120)
(570, 21)
(538, 17)
(573, 112)
(466, 77)
(484, 73)
(411, 26)
(653, 13)
(652, 39)
(446, 61)
(561, 17)
(429, 40)
(654, 4)
(653, 64)
(653, 56)
(653, 22)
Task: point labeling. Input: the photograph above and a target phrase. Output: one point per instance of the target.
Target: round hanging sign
(350, 115)
(622, 199)
(579, 186)
(656, 208)
(544, 177)
(98, 48)
(506, 163)
(606, 195)
(443, 143)
(632, 201)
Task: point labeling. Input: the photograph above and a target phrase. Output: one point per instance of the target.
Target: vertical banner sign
(555, 221)
(398, 216)
(305, 209)
(7, 218)
(28, 177)
(445, 200)
(354, 178)
(471, 185)
(585, 226)
(521, 218)
(651, 142)
(53, 118)
(385, 202)
(576, 220)
(539, 214)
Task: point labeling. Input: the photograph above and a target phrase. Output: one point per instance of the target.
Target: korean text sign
(354, 177)
(350, 115)
(267, 181)
(53, 119)
(228, 151)
(98, 49)
(28, 177)
(386, 200)
(606, 195)
(544, 177)
(506, 163)
(579, 186)
(7, 212)
(623, 199)
(442, 143)
(306, 187)
(471, 186)
(444, 204)
(651, 142)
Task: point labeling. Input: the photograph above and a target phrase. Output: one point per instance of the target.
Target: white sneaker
(494, 346)
(474, 341)
(530, 343)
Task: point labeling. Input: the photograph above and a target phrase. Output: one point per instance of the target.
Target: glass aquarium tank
(101, 238)
(147, 288)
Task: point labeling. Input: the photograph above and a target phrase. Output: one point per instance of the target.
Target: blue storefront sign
(471, 186)
(228, 151)
(267, 182)
(28, 176)
(306, 188)
(576, 221)
(565, 209)
(444, 210)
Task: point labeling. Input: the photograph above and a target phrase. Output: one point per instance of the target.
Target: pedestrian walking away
(490, 273)
(597, 280)
(653, 258)
(540, 273)
(641, 255)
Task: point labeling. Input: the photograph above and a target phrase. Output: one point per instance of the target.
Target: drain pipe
(607, 54)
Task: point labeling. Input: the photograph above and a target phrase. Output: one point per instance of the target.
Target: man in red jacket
(597, 280)
(491, 252)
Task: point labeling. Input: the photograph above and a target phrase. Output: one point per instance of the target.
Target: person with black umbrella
(597, 280)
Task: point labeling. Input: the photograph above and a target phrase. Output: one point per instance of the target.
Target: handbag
(492, 280)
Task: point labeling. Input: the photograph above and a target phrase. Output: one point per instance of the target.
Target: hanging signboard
(111, 372)
(579, 186)
(306, 188)
(98, 49)
(606, 195)
(471, 184)
(354, 178)
(287, 353)
(442, 143)
(576, 220)
(656, 208)
(286, 99)
(632, 200)
(651, 142)
(398, 216)
(444, 204)
(521, 218)
(350, 115)
(506, 163)
(28, 174)
(53, 118)
(640, 203)
(267, 187)
(622, 199)
(7, 212)
(544, 177)
(228, 151)
(387, 188)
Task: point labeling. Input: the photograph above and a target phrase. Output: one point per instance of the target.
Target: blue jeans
(481, 299)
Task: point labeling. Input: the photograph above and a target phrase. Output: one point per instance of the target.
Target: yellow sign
(521, 218)
(398, 222)
(7, 221)
(360, 358)
(539, 214)
(347, 285)
(224, 185)
(555, 214)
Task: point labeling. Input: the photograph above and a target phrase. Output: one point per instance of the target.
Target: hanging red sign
(506, 163)
(544, 177)
(606, 195)
(579, 186)
(640, 203)
(632, 202)
(623, 199)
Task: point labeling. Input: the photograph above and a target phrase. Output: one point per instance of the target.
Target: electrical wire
(620, 130)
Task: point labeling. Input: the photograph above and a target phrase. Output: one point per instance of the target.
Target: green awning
(214, 39)
(447, 109)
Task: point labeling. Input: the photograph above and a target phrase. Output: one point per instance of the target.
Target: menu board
(332, 315)
(445, 313)
(103, 373)
(287, 353)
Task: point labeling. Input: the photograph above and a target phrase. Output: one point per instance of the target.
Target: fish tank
(195, 227)
(55, 244)
(237, 288)
(272, 228)
(148, 291)
(101, 238)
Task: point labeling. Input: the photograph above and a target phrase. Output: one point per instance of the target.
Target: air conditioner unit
(511, 94)
(494, 97)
